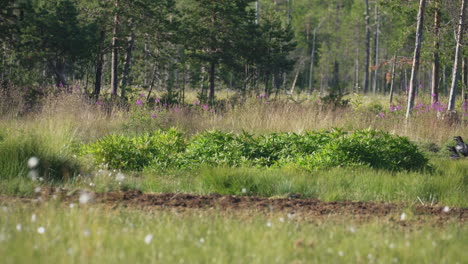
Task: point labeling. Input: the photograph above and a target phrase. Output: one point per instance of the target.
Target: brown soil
(309, 207)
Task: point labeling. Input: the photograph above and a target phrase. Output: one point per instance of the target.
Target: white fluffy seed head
(33, 162)
(85, 197)
(120, 177)
(403, 217)
(41, 230)
(446, 209)
(148, 238)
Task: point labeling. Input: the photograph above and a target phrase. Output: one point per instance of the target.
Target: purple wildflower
(165, 105)
(420, 105)
(176, 109)
(205, 107)
(381, 114)
(60, 84)
(465, 106)
(154, 116)
(398, 108)
(433, 95)
(142, 95)
(157, 100)
(392, 108)
(196, 102)
(99, 102)
(139, 102)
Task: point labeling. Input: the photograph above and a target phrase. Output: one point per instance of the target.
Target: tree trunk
(392, 82)
(128, 64)
(367, 59)
(312, 58)
(435, 63)
(99, 66)
(464, 77)
(114, 60)
(212, 83)
(376, 71)
(456, 63)
(417, 54)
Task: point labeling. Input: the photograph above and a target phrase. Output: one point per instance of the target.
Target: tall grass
(98, 235)
(448, 185)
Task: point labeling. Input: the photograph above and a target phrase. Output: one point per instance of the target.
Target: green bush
(375, 149)
(313, 150)
(135, 153)
(216, 148)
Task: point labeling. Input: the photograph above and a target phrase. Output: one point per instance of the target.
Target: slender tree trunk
(356, 71)
(212, 82)
(417, 54)
(367, 59)
(392, 82)
(435, 63)
(153, 79)
(376, 53)
(128, 64)
(312, 57)
(464, 77)
(456, 63)
(99, 67)
(114, 60)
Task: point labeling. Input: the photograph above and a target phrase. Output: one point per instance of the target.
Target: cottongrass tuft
(269, 224)
(41, 230)
(85, 197)
(403, 217)
(120, 177)
(446, 209)
(33, 218)
(148, 238)
(33, 162)
(19, 227)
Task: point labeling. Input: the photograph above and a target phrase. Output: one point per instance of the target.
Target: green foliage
(313, 150)
(370, 148)
(135, 153)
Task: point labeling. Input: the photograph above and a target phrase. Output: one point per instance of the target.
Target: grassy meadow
(53, 232)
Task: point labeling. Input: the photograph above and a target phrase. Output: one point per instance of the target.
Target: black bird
(453, 153)
(461, 147)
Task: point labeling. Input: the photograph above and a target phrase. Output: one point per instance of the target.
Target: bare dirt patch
(309, 207)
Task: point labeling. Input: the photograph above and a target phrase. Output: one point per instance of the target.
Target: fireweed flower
(142, 95)
(139, 102)
(196, 102)
(398, 107)
(381, 114)
(205, 107)
(433, 95)
(157, 100)
(154, 116)
(392, 108)
(465, 106)
(99, 102)
(176, 109)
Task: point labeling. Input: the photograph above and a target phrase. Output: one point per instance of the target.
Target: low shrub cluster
(312, 150)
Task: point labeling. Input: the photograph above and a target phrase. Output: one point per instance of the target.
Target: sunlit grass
(90, 234)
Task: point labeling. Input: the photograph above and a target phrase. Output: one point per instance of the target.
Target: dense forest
(114, 48)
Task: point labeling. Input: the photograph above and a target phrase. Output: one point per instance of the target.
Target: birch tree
(416, 58)
(456, 63)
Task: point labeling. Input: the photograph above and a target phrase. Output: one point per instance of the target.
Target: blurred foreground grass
(52, 233)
